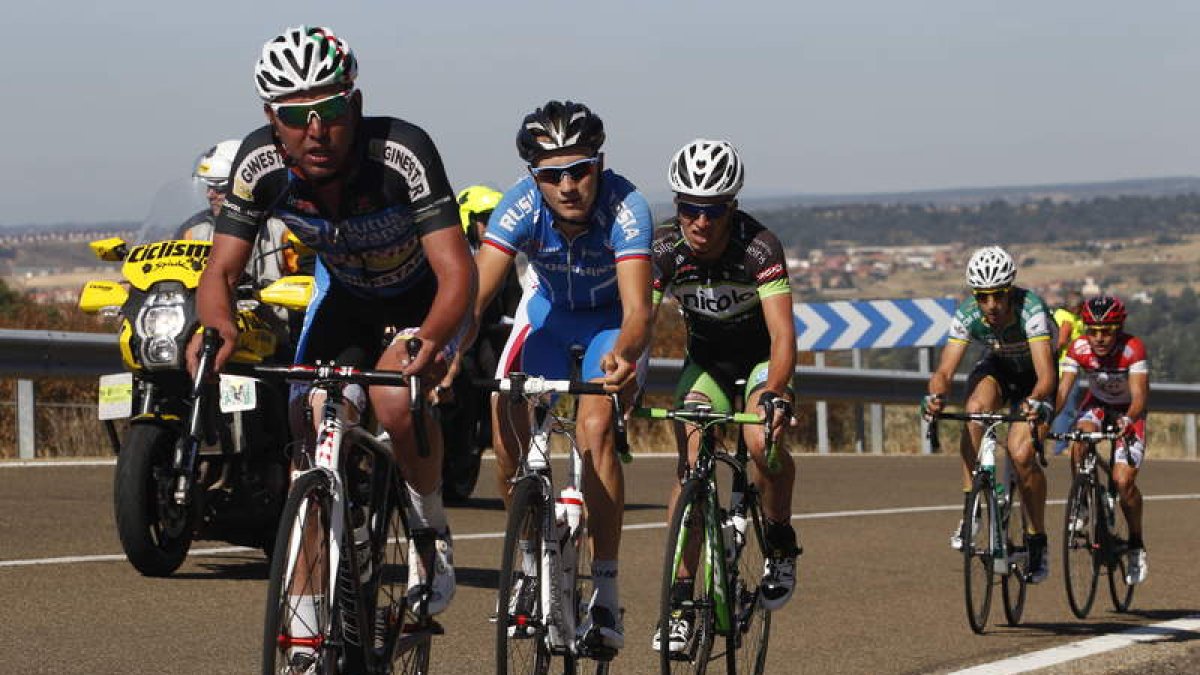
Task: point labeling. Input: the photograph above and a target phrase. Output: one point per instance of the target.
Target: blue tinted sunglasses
(554, 174)
(712, 211)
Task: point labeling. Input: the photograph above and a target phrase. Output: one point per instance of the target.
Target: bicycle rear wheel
(1117, 547)
(520, 634)
(747, 644)
(686, 530)
(401, 639)
(1081, 564)
(979, 520)
(1013, 584)
(299, 619)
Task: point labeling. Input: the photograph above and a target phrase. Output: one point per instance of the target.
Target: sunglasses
(980, 295)
(217, 185)
(693, 211)
(554, 174)
(328, 109)
(1103, 329)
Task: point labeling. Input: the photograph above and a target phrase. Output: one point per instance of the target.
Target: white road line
(1090, 647)
(226, 550)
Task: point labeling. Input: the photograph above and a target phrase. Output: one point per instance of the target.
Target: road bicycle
(337, 596)
(993, 542)
(727, 544)
(1095, 531)
(540, 600)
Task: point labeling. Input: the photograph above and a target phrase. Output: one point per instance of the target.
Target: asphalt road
(879, 592)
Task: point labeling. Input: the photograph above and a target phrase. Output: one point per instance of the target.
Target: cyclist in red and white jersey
(1118, 385)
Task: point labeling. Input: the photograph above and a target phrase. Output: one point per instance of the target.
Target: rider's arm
(777, 310)
(1139, 392)
(214, 296)
(1064, 336)
(952, 354)
(633, 284)
(1042, 355)
(448, 255)
(1066, 383)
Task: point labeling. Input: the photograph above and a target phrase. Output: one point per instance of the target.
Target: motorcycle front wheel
(155, 532)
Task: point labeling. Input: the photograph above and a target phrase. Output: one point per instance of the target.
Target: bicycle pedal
(595, 653)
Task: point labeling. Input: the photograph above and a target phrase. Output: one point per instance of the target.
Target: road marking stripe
(225, 550)
(1098, 645)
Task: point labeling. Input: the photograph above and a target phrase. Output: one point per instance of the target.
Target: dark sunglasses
(693, 211)
(1103, 329)
(980, 295)
(328, 109)
(554, 174)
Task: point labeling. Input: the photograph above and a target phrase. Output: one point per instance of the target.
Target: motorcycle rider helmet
(705, 168)
(990, 267)
(1104, 309)
(558, 125)
(215, 164)
(475, 200)
(303, 58)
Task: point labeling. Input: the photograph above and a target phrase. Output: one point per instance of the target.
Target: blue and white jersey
(579, 273)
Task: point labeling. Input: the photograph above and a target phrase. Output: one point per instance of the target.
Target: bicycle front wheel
(747, 643)
(1081, 565)
(685, 537)
(401, 639)
(520, 634)
(1013, 584)
(979, 522)
(1119, 590)
(299, 619)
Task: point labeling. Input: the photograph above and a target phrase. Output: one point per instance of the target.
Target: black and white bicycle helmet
(705, 168)
(991, 267)
(303, 58)
(556, 126)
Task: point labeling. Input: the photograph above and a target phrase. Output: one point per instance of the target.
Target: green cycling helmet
(476, 199)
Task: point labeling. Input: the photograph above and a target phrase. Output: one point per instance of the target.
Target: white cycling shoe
(444, 585)
(1136, 567)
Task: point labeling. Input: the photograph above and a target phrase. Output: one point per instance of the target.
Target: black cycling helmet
(558, 125)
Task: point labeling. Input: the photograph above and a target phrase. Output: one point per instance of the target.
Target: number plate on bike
(115, 396)
(237, 393)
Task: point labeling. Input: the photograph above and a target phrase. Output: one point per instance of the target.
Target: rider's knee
(596, 425)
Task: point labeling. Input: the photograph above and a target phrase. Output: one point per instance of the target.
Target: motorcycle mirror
(113, 249)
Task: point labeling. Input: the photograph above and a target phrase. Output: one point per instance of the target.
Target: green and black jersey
(721, 300)
(1031, 322)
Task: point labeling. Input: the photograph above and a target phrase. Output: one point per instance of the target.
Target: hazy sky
(105, 101)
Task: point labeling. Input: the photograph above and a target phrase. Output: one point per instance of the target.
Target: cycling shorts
(718, 385)
(543, 334)
(1015, 386)
(1130, 450)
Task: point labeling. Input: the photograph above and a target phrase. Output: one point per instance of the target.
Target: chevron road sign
(873, 324)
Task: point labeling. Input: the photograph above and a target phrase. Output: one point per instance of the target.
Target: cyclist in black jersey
(730, 277)
(370, 196)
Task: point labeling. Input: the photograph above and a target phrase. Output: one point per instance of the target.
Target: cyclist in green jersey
(1017, 368)
(730, 277)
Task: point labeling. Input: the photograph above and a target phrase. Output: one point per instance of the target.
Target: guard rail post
(822, 412)
(924, 358)
(26, 436)
(1189, 435)
(856, 362)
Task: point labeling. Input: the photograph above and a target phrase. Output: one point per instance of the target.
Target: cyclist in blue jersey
(586, 232)
(370, 196)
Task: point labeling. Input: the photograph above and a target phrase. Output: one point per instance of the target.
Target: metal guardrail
(30, 354)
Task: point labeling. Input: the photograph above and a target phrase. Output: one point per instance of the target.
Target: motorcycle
(186, 470)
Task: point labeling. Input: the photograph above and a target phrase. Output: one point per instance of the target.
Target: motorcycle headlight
(160, 322)
(164, 321)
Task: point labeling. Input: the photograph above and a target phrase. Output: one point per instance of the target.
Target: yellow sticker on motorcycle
(180, 260)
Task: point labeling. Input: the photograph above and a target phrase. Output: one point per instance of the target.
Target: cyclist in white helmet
(370, 196)
(729, 276)
(1017, 369)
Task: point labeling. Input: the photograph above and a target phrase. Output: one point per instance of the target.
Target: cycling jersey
(395, 192)
(1108, 376)
(579, 273)
(722, 300)
(1010, 344)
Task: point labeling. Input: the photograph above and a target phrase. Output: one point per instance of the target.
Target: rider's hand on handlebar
(424, 364)
(229, 334)
(618, 372)
(777, 411)
(1036, 410)
(1125, 425)
(932, 405)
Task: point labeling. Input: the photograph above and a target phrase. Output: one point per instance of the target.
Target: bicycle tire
(310, 497)
(1013, 585)
(401, 639)
(525, 651)
(1117, 545)
(1081, 564)
(747, 643)
(688, 517)
(978, 573)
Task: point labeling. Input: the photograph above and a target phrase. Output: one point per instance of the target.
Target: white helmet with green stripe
(303, 58)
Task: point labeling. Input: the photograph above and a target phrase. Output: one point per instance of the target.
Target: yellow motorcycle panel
(99, 295)
(181, 260)
(292, 292)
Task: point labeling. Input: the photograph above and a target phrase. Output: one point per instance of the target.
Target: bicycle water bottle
(568, 510)
(539, 449)
(733, 528)
(987, 453)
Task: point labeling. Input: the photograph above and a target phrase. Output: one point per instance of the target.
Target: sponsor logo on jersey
(626, 221)
(166, 249)
(404, 162)
(253, 167)
(717, 301)
(513, 214)
(773, 272)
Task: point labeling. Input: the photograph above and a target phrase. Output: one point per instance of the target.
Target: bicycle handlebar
(931, 432)
(704, 416)
(1087, 436)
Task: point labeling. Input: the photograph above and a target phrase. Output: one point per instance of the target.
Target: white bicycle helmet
(991, 267)
(216, 163)
(705, 168)
(303, 58)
